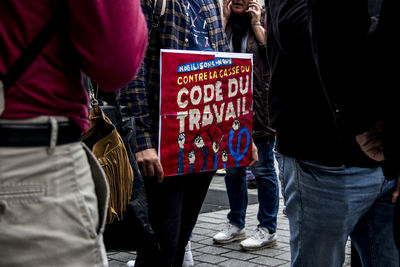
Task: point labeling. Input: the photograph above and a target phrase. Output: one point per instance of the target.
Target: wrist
(256, 23)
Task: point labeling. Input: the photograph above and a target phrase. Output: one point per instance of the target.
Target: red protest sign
(205, 111)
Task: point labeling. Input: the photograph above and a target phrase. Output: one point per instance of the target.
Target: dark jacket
(302, 114)
(367, 63)
(261, 76)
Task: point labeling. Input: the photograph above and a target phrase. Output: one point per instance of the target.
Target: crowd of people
(323, 107)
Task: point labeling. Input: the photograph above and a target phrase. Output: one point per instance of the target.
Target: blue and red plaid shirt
(142, 94)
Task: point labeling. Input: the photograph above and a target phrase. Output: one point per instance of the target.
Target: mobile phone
(251, 8)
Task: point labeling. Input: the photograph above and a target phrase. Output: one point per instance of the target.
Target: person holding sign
(174, 201)
(244, 28)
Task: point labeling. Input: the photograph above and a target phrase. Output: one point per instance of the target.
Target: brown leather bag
(109, 149)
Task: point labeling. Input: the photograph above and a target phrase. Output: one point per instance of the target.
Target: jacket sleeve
(136, 94)
(388, 70)
(110, 37)
(341, 49)
(288, 21)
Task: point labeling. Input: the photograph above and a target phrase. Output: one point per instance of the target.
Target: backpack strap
(158, 11)
(35, 47)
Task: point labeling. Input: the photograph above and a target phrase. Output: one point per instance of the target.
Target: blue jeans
(267, 184)
(325, 205)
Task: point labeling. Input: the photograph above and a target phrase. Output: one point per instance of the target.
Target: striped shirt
(142, 94)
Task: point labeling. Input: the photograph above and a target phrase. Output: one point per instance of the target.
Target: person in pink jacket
(53, 194)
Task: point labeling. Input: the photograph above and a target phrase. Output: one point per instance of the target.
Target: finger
(253, 162)
(150, 170)
(159, 171)
(367, 139)
(376, 155)
(396, 191)
(142, 169)
(395, 196)
(254, 155)
(373, 145)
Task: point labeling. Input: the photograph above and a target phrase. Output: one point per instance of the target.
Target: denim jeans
(267, 184)
(326, 205)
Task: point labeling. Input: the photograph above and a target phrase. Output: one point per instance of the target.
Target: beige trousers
(52, 207)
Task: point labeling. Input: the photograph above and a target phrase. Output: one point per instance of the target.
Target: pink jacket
(104, 38)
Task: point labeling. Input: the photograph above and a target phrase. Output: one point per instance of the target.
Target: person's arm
(110, 38)
(340, 42)
(254, 154)
(256, 23)
(226, 12)
(136, 96)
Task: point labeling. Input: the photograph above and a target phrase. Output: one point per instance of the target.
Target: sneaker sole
(238, 237)
(269, 245)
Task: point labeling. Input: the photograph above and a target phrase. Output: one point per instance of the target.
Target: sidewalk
(212, 219)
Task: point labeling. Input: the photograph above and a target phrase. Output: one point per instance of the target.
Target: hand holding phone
(252, 9)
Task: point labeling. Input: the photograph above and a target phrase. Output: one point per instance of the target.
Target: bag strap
(159, 7)
(30, 53)
(158, 11)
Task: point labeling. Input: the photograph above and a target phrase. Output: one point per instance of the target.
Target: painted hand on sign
(181, 140)
(215, 147)
(224, 157)
(191, 159)
(181, 143)
(199, 143)
(216, 135)
(236, 154)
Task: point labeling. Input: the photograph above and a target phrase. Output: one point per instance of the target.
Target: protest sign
(205, 111)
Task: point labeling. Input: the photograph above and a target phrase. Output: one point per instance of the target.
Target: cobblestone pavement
(206, 253)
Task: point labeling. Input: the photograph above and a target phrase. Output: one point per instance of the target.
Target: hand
(199, 142)
(149, 164)
(181, 140)
(226, 11)
(215, 147)
(254, 155)
(192, 157)
(395, 194)
(370, 142)
(224, 156)
(255, 11)
(236, 125)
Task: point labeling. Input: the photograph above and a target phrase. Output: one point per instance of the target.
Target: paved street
(212, 219)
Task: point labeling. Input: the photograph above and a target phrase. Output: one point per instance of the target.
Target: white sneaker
(221, 172)
(229, 234)
(261, 239)
(130, 264)
(188, 257)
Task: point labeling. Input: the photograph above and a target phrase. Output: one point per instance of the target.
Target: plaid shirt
(142, 94)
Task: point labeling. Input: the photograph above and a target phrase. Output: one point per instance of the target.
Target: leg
(165, 202)
(195, 191)
(373, 235)
(49, 212)
(323, 206)
(268, 188)
(236, 187)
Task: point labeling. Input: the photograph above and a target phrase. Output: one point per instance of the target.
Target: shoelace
(228, 227)
(260, 234)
